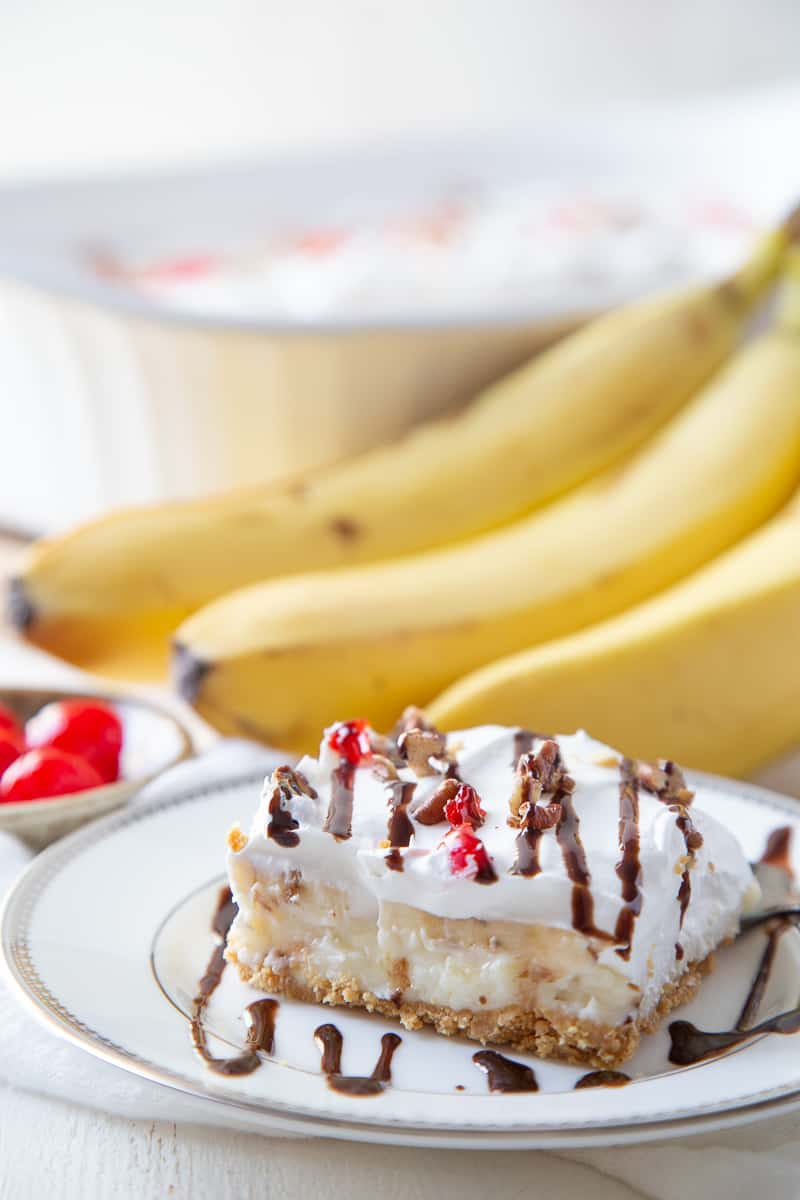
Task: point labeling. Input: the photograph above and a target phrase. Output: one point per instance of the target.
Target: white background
(106, 84)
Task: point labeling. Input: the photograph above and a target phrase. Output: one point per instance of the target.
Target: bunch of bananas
(605, 538)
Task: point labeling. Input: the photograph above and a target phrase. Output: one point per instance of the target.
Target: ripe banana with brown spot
(282, 659)
(707, 673)
(107, 595)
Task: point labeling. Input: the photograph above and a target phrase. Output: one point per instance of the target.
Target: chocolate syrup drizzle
(574, 855)
(535, 775)
(400, 827)
(339, 820)
(527, 845)
(776, 851)
(523, 743)
(693, 841)
(761, 978)
(262, 1013)
(691, 1045)
(451, 770)
(602, 1079)
(629, 867)
(282, 825)
(329, 1039)
(504, 1074)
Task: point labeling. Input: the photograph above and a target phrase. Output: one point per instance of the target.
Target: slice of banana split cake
(512, 887)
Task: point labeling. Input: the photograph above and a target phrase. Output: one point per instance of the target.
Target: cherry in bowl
(38, 774)
(89, 729)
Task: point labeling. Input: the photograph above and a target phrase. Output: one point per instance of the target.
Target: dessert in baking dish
(516, 888)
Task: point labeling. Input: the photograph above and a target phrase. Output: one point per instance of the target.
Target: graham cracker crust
(556, 1036)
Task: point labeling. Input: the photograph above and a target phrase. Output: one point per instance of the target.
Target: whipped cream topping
(687, 900)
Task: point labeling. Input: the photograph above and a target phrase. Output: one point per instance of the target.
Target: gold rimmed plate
(117, 979)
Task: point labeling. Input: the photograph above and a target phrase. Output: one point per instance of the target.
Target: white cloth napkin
(763, 1156)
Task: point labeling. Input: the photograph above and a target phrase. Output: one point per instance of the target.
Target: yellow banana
(707, 672)
(282, 659)
(106, 595)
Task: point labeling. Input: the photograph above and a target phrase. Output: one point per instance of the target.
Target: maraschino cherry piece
(350, 739)
(8, 720)
(12, 744)
(88, 728)
(465, 807)
(42, 773)
(468, 857)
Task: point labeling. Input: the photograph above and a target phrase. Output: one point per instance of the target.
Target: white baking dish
(112, 393)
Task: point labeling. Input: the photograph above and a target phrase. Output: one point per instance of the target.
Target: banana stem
(750, 282)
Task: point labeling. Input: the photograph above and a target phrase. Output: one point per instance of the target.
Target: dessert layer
(553, 1034)
(573, 852)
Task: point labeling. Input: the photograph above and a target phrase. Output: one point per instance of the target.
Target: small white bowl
(153, 740)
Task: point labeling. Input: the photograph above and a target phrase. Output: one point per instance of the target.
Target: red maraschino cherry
(87, 728)
(465, 807)
(39, 774)
(467, 854)
(12, 745)
(350, 739)
(8, 720)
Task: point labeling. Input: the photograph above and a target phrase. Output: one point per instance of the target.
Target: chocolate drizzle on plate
(339, 819)
(761, 978)
(691, 1045)
(504, 1074)
(602, 1079)
(224, 913)
(629, 867)
(262, 1013)
(329, 1039)
(261, 1034)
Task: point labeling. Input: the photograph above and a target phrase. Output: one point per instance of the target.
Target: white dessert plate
(116, 976)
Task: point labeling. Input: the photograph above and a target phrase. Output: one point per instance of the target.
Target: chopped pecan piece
(418, 746)
(542, 816)
(431, 811)
(294, 782)
(665, 780)
(527, 791)
(412, 718)
(536, 775)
